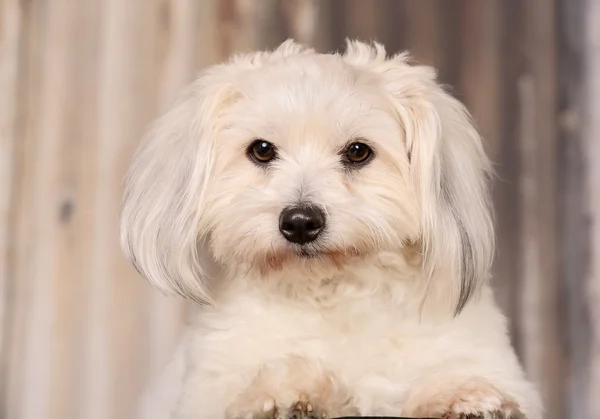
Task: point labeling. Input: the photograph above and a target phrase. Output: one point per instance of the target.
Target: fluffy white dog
(330, 215)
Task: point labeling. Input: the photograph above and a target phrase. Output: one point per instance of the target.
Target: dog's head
(296, 160)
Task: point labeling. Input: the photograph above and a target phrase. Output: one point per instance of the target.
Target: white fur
(392, 314)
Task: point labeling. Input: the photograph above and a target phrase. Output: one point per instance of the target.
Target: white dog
(329, 213)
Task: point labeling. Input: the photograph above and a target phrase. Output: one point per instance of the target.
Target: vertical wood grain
(424, 31)
(540, 311)
(581, 63)
(483, 93)
(592, 148)
(131, 61)
(301, 20)
(364, 19)
(577, 214)
(10, 21)
(46, 307)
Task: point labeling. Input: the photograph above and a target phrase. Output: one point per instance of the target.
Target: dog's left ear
(449, 170)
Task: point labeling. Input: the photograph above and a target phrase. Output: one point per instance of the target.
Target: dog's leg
(293, 388)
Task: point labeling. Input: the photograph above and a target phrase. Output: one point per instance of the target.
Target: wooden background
(80, 333)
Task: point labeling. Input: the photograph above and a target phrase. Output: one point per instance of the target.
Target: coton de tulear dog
(329, 214)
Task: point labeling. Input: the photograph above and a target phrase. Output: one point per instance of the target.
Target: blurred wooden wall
(80, 333)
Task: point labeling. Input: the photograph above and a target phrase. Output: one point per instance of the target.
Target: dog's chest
(352, 337)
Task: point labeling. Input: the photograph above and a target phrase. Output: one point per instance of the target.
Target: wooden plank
(424, 37)
(130, 60)
(576, 213)
(10, 30)
(540, 323)
(245, 24)
(506, 195)
(92, 351)
(363, 18)
(301, 20)
(37, 347)
(482, 92)
(592, 147)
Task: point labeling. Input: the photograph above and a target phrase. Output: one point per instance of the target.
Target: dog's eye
(357, 153)
(262, 151)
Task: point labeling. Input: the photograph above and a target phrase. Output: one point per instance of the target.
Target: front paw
(267, 408)
(304, 409)
(293, 388)
(475, 399)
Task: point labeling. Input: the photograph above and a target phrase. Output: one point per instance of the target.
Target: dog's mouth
(315, 251)
(308, 256)
(308, 253)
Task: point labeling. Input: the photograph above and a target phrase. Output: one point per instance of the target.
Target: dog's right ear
(163, 232)
(161, 218)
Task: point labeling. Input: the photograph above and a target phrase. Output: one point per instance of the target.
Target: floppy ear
(162, 208)
(449, 170)
(162, 225)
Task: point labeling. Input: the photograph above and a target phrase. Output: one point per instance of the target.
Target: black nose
(301, 225)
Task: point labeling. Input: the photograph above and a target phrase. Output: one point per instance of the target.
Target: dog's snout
(301, 225)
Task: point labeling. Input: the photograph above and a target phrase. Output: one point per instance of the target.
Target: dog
(330, 216)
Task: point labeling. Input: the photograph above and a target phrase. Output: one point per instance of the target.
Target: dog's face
(310, 169)
(293, 160)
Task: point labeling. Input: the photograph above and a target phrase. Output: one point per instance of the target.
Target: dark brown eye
(262, 151)
(358, 153)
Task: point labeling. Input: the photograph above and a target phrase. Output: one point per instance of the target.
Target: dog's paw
(496, 414)
(268, 408)
(476, 399)
(293, 388)
(304, 409)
